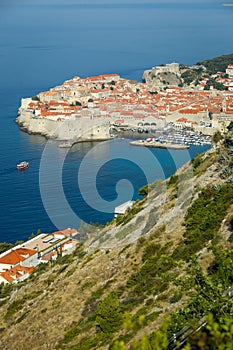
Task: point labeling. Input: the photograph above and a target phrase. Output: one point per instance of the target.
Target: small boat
(65, 144)
(22, 165)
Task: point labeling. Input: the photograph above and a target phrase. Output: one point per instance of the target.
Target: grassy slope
(133, 269)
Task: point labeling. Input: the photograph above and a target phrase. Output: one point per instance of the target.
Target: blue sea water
(43, 43)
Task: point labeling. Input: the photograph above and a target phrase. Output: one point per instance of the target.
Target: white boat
(22, 165)
(65, 144)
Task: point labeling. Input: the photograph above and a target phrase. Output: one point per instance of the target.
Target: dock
(156, 144)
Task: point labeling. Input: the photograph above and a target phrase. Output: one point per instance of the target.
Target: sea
(45, 42)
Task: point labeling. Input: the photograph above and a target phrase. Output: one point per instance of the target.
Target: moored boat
(22, 165)
(65, 144)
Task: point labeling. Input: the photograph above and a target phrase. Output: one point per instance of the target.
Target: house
(121, 209)
(16, 274)
(17, 264)
(229, 70)
(18, 256)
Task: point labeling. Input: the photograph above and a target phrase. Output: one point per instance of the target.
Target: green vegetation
(4, 246)
(143, 191)
(16, 305)
(217, 64)
(124, 298)
(108, 314)
(217, 137)
(5, 290)
(216, 85)
(230, 127)
(201, 162)
(129, 214)
(189, 76)
(35, 98)
(157, 187)
(33, 235)
(173, 181)
(22, 317)
(203, 219)
(216, 335)
(124, 232)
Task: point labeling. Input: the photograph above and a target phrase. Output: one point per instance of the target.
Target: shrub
(203, 219)
(196, 161)
(14, 307)
(231, 223)
(4, 246)
(22, 317)
(173, 180)
(175, 298)
(71, 334)
(129, 214)
(143, 191)
(35, 98)
(150, 250)
(108, 314)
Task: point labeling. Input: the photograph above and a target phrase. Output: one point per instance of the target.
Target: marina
(174, 139)
(186, 137)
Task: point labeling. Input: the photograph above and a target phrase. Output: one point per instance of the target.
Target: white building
(168, 68)
(121, 209)
(229, 70)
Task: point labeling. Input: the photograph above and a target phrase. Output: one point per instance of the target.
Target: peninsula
(84, 109)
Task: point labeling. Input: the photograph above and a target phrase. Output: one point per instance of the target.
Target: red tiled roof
(16, 255)
(16, 272)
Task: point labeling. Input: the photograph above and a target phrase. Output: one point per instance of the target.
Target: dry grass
(47, 317)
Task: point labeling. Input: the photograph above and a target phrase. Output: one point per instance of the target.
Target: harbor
(174, 139)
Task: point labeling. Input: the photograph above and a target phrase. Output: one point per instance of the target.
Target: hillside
(205, 74)
(170, 256)
(217, 64)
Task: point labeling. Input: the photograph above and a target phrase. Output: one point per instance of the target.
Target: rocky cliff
(160, 79)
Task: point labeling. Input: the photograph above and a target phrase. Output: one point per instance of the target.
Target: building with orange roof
(18, 256)
(16, 274)
(94, 103)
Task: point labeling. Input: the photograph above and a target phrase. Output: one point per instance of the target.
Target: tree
(32, 236)
(35, 98)
(143, 191)
(207, 87)
(217, 335)
(5, 246)
(108, 314)
(230, 127)
(217, 137)
(218, 86)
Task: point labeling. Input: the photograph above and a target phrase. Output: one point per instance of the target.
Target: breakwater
(159, 145)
